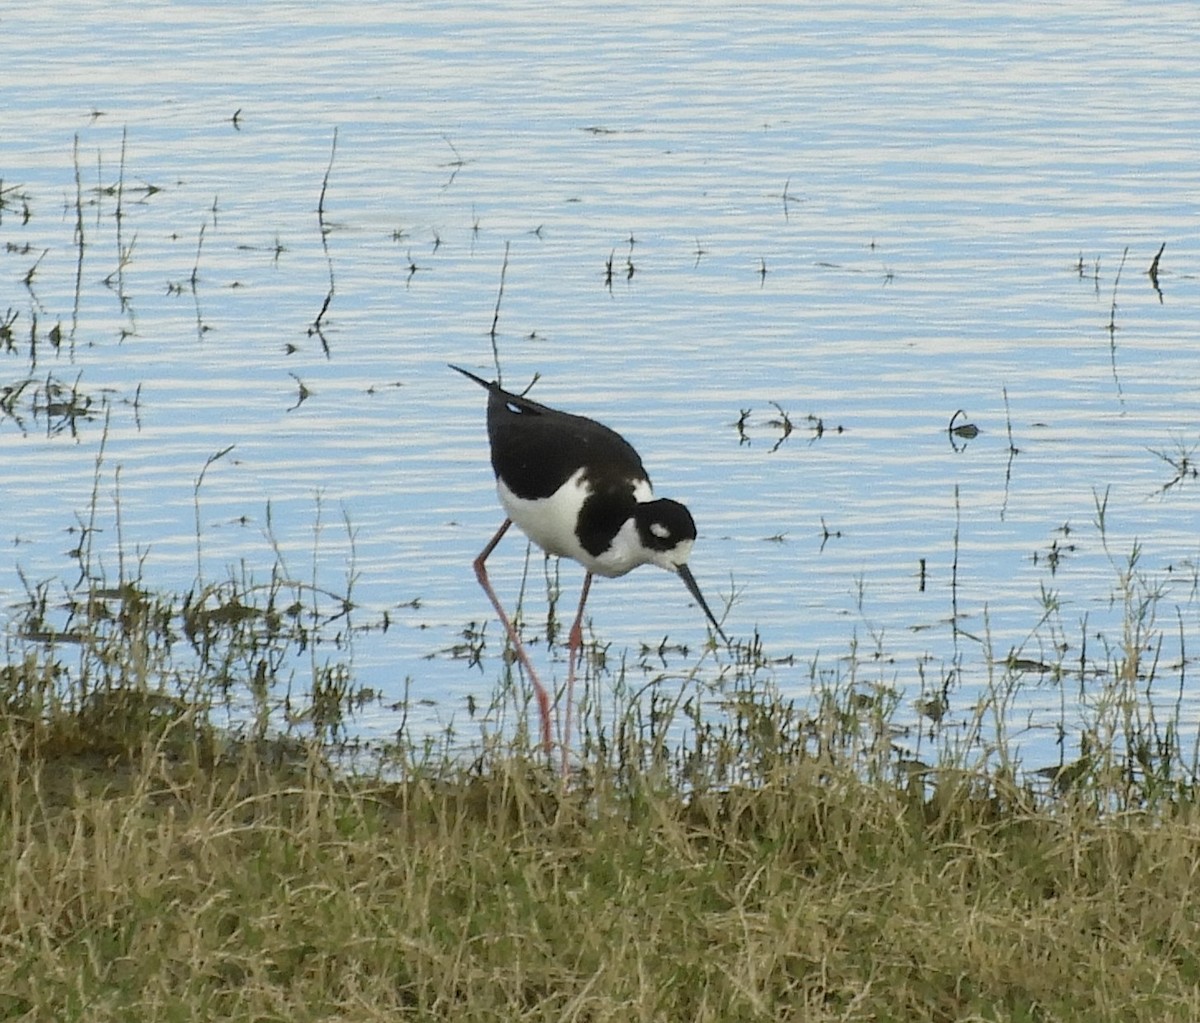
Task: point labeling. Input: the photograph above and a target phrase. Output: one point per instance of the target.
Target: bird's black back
(536, 449)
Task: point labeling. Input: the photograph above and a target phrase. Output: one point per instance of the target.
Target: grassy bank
(161, 873)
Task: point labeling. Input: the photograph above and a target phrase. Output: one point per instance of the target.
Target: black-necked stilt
(578, 489)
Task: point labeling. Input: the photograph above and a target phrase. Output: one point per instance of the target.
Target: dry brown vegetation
(155, 871)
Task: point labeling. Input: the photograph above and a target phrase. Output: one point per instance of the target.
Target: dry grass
(152, 886)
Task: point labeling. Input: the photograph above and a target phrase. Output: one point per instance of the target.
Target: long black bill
(689, 581)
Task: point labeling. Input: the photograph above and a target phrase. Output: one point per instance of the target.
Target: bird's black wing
(536, 449)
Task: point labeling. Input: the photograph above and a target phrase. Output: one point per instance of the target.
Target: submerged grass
(768, 862)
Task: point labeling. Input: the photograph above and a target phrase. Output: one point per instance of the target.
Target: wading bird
(578, 490)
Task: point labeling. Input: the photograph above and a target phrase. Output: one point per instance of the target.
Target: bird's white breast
(550, 522)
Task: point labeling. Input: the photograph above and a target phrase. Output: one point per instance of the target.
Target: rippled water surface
(851, 220)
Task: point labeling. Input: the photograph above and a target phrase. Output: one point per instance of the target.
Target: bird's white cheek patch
(659, 530)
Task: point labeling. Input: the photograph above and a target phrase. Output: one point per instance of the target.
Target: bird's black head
(667, 530)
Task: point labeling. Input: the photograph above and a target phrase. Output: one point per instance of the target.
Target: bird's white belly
(551, 522)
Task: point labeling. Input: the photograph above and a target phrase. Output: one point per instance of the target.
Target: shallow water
(870, 217)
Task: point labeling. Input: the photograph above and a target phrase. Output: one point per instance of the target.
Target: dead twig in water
(1153, 271)
(1112, 327)
(316, 327)
(1013, 451)
(496, 311)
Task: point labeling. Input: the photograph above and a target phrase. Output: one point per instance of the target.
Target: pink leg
(481, 574)
(574, 643)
